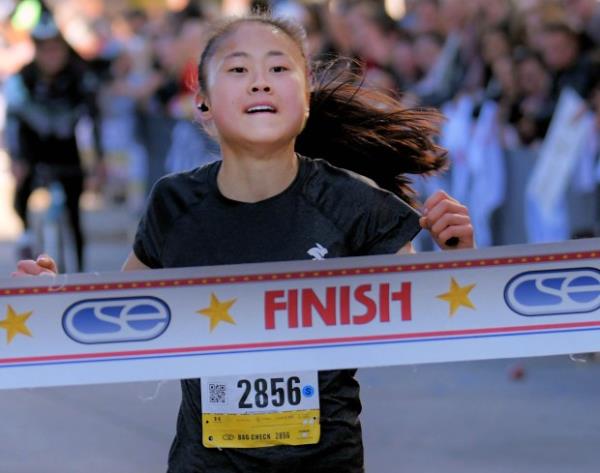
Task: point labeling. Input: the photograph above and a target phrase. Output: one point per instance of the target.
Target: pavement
(500, 416)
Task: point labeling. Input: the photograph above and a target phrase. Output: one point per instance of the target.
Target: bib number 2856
(275, 392)
(261, 410)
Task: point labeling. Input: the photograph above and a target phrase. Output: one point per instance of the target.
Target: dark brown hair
(352, 127)
(371, 133)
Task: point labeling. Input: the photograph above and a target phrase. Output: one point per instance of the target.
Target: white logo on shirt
(318, 252)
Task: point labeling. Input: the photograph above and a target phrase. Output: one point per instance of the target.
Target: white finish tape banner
(341, 313)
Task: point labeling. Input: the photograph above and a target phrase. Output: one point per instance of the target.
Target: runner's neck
(252, 177)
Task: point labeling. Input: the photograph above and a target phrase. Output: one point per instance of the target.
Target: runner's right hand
(42, 266)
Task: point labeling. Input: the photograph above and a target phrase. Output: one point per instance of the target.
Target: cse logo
(125, 319)
(553, 292)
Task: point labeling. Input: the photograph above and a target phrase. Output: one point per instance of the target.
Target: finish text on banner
(278, 317)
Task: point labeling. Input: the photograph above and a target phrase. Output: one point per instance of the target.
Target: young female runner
(265, 201)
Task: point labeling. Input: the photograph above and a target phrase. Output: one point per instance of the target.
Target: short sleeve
(385, 225)
(171, 198)
(152, 228)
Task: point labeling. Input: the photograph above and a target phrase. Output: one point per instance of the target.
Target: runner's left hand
(446, 218)
(42, 266)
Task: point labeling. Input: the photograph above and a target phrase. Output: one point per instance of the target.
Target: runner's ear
(205, 118)
(202, 104)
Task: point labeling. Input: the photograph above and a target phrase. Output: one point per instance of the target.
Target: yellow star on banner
(457, 296)
(218, 311)
(15, 323)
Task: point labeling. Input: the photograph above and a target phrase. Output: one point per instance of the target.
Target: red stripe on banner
(302, 343)
(467, 264)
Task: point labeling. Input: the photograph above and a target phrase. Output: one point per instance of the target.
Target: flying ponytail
(370, 133)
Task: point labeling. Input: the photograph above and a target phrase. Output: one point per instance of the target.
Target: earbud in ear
(202, 107)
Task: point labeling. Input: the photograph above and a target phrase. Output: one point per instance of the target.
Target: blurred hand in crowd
(19, 170)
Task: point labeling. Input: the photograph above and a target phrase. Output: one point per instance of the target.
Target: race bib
(260, 411)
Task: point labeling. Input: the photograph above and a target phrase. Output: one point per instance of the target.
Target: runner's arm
(132, 263)
(407, 249)
(45, 266)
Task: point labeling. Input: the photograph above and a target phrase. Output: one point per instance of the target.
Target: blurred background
(98, 96)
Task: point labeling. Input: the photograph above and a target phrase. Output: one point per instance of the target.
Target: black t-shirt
(326, 212)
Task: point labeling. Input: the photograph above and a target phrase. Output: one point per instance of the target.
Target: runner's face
(257, 87)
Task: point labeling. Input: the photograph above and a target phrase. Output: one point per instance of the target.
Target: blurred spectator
(158, 85)
(562, 55)
(404, 62)
(595, 102)
(495, 44)
(313, 18)
(45, 101)
(336, 27)
(190, 144)
(427, 47)
(16, 50)
(502, 87)
(440, 67)
(427, 17)
(319, 45)
(180, 11)
(134, 38)
(585, 15)
(497, 14)
(125, 155)
(534, 110)
(534, 17)
(373, 34)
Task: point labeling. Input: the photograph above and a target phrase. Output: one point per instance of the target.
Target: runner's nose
(265, 88)
(259, 83)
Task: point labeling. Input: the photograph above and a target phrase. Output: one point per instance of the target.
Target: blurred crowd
(502, 71)
(518, 80)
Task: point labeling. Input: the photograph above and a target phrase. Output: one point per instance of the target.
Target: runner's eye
(237, 70)
(279, 69)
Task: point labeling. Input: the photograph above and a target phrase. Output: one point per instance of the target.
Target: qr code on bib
(217, 393)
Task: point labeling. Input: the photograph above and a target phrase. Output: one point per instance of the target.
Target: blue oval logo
(553, 292)
(124, 319)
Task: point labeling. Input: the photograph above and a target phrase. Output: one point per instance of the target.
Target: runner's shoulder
(190, 185)
(327, 182)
